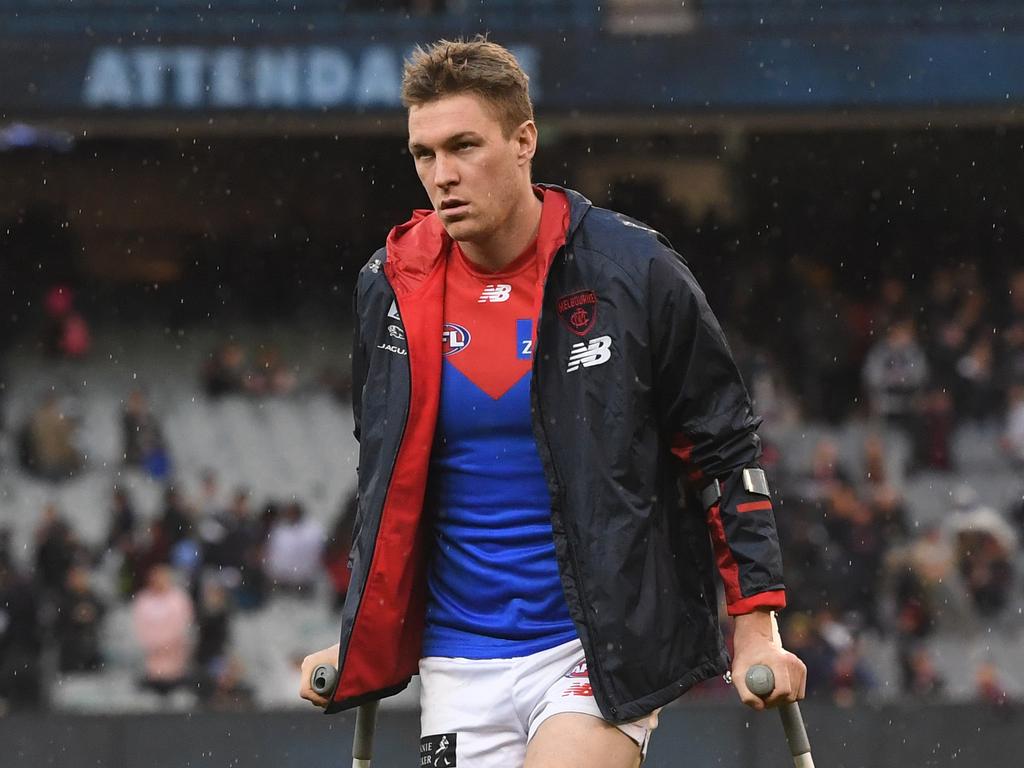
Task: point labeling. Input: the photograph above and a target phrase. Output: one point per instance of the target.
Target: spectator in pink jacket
(162, 616)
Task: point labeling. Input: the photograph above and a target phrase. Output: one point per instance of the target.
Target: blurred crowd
(228, 370)
(48, 444)
(858, 571)
(912, 366)
(919, 362)
(183, 575)
(913, 362)
(857, 568)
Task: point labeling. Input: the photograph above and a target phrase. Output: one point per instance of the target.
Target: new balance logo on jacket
(495, 294)
(594, 352)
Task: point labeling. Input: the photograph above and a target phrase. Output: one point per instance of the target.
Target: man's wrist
(756, 623)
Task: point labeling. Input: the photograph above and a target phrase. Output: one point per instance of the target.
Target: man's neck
(508, 242)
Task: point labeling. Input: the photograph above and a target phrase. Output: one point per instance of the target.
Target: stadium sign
(583, 73)
(234, 77)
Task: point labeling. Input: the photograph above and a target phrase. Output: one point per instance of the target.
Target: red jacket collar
(417, 247)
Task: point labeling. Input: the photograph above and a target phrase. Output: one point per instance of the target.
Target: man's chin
(460, 229)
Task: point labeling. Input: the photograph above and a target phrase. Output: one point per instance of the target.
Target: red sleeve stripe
(774, 599)
(727, 567)
(729, 570)
(753, 506)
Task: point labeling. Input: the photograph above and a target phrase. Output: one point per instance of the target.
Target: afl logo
(454, 339)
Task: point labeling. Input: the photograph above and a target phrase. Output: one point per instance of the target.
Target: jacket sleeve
(707, 418)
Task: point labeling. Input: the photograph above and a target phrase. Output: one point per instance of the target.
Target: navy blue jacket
(637, 407)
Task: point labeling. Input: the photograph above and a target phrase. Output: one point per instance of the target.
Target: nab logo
(595, 352)
(454, 338)
(495, 294)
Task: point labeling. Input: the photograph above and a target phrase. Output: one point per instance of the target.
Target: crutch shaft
(761, 681)
(323, 681)
(362, 741)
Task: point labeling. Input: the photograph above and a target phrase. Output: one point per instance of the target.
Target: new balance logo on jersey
(595, 352)
(495, 294)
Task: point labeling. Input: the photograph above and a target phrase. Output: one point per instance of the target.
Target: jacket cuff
(774, 599)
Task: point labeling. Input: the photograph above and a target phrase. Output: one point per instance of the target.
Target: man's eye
(464, 145)
(423, 155)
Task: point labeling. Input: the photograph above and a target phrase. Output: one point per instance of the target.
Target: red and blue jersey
(493, 584)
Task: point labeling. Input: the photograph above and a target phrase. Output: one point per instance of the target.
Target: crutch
(322, 681)
(760, 681)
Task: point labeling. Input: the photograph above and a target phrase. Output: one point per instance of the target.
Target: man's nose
(445, 172)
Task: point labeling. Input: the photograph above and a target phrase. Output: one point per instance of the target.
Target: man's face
(470, 170)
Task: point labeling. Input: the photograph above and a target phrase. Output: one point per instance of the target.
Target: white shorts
(481, 713)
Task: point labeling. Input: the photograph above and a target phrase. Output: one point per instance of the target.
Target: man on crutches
(551, 424)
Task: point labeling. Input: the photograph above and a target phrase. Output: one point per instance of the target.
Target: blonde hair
(477, 66)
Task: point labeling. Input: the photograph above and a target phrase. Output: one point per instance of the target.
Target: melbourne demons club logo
(454, 339)
(578, 311)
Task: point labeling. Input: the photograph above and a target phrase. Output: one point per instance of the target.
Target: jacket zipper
(556, 501)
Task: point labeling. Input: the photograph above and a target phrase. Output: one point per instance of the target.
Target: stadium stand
(300, 447)
(278, 448)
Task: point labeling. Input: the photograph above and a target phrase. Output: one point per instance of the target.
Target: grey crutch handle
(323, 680)
(761, 681)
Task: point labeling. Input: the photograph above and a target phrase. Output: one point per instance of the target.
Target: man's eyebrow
(455, 138)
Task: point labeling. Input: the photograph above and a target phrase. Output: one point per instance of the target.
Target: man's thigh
(574, 740)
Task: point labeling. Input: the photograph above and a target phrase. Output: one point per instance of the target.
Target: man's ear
(525, 137)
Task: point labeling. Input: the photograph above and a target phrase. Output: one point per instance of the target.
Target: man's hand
(754, 643)
(311, 662)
